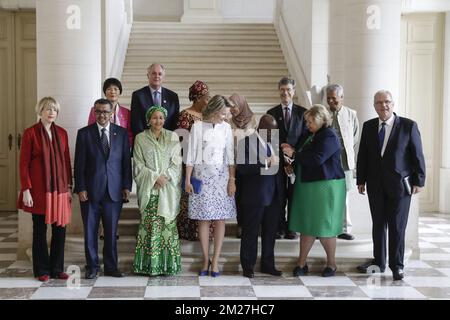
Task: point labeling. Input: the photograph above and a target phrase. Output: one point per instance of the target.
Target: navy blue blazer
(255, 188)
(321, 158)
(402, 157)
(142, 100)
(97, 174)
(297, 126)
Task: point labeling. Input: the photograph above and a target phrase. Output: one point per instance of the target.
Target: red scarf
(57, 199)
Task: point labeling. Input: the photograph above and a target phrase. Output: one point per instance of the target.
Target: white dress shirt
(106, 131)
(152, 91)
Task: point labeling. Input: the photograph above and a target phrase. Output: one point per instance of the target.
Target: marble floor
(427, 278)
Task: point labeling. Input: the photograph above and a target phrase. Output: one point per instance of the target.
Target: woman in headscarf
(199, 95)
(46, 181)
(157, 172)
(243, 123)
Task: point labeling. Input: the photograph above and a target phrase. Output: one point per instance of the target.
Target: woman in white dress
(210, 159)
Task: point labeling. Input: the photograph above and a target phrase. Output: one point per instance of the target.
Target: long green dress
(158, 246)
(318, 206)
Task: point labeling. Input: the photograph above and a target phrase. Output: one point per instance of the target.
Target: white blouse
(210, 144)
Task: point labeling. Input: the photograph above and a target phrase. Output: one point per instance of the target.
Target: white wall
(116, 35)
(157, 9)
(297, 15)
(232, 10)
(248, 10)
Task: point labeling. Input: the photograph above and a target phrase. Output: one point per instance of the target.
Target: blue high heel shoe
(215, 274)
(205, 272)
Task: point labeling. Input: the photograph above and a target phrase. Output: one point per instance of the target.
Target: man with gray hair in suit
(346, 125)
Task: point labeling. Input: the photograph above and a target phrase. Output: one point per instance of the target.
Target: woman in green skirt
(319, 189)
(157, 172)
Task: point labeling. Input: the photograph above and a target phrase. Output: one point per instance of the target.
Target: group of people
(288, 173)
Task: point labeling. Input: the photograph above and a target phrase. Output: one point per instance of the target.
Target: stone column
(202, 11)
(444, 180)
(69, 69)
(372, 52)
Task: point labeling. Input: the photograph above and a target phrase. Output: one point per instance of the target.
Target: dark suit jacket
(254, 188)
(321, 158)
(296, 130)
(297, 126)
(402, 157)
(142, 100)
(97, 174)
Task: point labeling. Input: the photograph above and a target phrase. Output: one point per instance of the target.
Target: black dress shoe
(91, 274)
(291, 235)
(346, 236)
(371, 267)
(328, 272)
(300, 271)
(273, 272)
(248, 274)
(279, 235)
(398, 274)
(114, 273)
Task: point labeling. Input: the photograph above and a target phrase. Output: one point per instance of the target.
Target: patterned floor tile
(224, 281)
(16, 293)
(392, 292)
(116, 292)
(276, 281)
(19, 283)
(227, 291)
(337, 292)
(60, 293)
(121, 282)
(172, 292)
(339, 281)
(173, 281)
(282, 291)
(427, 281)
(435, 293)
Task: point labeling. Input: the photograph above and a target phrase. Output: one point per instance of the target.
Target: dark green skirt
(317, 207)
(157, 246)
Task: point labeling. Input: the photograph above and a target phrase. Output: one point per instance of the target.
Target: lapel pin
(164, 101)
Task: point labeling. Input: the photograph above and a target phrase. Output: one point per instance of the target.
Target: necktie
(381, 134)
(156, 100)
(287, 117)
(268, 152)
(105, 143)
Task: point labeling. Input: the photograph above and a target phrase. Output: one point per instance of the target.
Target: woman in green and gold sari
(157, 172)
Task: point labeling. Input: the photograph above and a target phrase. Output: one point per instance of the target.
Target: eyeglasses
(99, 112)
(383, 102)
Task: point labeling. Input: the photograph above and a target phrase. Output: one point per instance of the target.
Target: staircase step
(166, 59)
(349, 254)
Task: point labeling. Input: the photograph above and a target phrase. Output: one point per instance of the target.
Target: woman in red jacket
(46, 179)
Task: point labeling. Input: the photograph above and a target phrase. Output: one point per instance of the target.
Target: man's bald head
(267, 122)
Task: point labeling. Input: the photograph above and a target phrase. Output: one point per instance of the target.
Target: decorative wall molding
(17, 4)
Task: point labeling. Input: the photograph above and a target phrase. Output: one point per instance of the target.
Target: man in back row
(289, 118)
(154, 94)
(346, 125)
